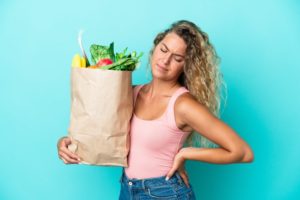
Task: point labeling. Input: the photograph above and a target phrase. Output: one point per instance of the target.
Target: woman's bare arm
(232, 148)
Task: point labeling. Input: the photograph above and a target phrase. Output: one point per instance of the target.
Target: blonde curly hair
(201, 74)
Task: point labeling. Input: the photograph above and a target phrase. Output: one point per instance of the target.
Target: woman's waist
(153, 181)
(147, 168)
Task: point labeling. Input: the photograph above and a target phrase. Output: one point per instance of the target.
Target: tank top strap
(170, 114)
(136, 91)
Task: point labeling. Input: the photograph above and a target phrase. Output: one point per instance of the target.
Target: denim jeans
(155, 188)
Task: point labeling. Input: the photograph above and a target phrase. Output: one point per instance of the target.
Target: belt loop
(143, 184)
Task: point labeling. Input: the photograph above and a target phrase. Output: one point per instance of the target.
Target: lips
(161, 68)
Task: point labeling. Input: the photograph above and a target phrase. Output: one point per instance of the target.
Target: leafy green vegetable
(122, 61)
(99, 52)
(126, 63)
(121, 55)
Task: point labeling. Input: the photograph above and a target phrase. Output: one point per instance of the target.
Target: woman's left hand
(178, 165)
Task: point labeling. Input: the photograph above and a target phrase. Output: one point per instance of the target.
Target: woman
(181, 101)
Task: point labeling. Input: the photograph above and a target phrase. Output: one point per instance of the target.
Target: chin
(158, 76)
(161, 77)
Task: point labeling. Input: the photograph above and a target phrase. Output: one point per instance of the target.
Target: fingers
(69, 153)
(67, 141)
(65, 154)
(170, 173)
(184, 176)
(67, 158)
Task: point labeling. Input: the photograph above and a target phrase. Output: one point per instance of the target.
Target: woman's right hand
(64, 153)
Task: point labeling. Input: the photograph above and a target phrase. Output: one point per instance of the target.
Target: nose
(167, 58)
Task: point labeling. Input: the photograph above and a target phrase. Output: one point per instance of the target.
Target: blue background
(258, 42)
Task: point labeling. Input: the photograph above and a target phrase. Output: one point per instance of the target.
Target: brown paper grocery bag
(101, 109)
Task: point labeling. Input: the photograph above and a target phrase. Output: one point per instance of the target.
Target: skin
(167, 64)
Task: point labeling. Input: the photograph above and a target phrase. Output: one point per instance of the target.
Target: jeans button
(129, 183)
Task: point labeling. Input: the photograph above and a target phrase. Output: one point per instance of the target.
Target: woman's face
(168, 57)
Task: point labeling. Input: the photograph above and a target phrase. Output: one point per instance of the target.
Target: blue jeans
(155, 188)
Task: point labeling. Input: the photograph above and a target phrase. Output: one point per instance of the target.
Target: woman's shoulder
(188, 109)
(186, 101)
(185, 97)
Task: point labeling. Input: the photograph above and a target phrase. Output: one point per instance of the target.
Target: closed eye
(178, 59)
(163, 50)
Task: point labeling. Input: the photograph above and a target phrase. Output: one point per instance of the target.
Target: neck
(158, 88)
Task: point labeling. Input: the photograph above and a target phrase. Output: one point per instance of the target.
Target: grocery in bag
(102, 105)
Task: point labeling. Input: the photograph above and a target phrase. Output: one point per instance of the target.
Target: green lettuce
(121, 61)
(99, 52)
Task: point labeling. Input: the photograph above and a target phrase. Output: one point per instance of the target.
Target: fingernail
(167, 178)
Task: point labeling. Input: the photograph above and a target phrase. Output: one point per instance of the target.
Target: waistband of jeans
(142, 183)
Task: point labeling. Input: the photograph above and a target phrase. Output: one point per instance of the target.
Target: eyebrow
(173, 53)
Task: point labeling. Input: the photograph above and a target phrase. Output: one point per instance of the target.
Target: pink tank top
(154, 143)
